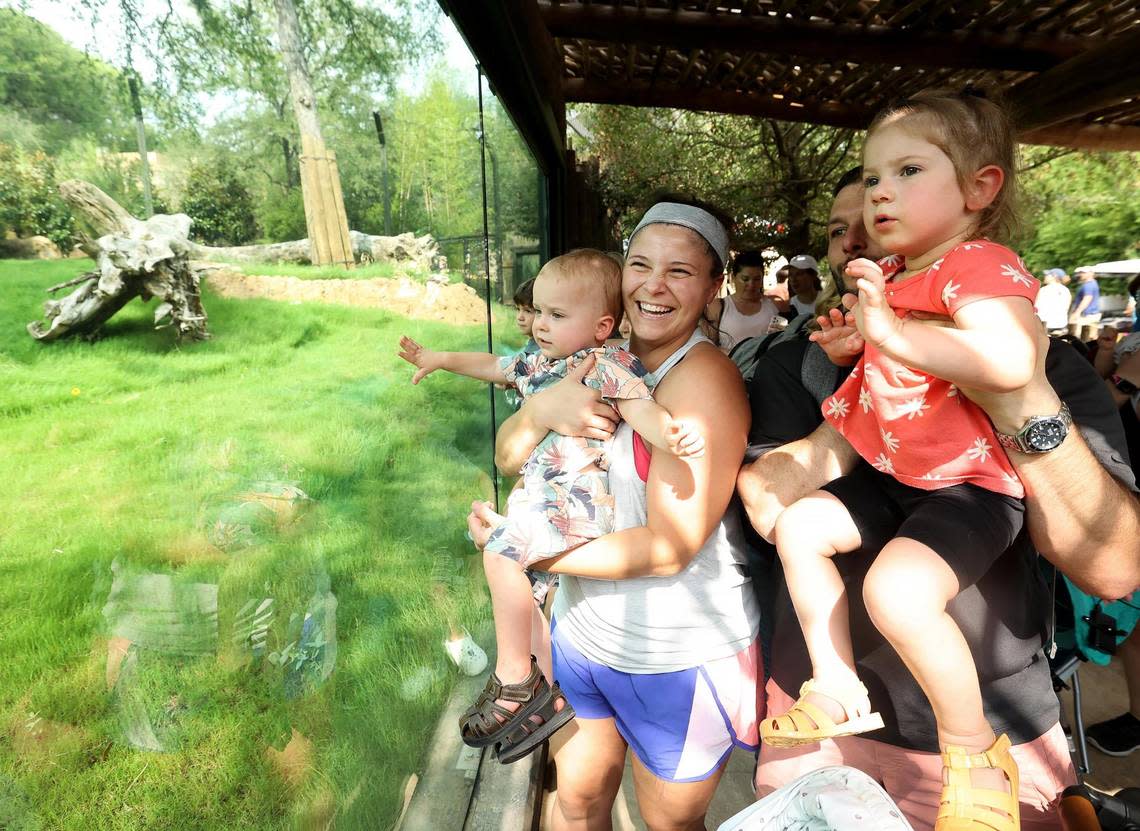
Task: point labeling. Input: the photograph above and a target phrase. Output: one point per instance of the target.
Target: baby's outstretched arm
(992, 347)
(482, 366)
(656, 426)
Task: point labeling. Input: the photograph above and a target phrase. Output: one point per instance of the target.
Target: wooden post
(384, 171)
(310, 192)
(325, 217)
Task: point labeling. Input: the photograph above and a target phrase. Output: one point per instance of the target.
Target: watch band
(1021, 441)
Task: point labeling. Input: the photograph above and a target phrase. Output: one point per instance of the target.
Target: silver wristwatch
(1040, 433)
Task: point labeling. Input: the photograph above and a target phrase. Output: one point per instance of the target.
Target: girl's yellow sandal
(806, 723)
(963, 806)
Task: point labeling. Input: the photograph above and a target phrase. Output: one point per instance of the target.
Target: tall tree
(1081, 208)
(55, 89)
(773, 177)
(227, 51)
(324, 204)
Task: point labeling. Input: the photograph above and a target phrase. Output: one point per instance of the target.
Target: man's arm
(1081, 302)
(789, 473)
(784, 414)
(1081, 518)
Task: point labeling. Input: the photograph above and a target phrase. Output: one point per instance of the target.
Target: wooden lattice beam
(1089, 137)
(713, 100)
(687, 30)
(1084, 84)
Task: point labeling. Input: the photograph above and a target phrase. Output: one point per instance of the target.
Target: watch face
(1046, 434)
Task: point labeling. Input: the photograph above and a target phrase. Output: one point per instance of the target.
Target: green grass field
(124, 460)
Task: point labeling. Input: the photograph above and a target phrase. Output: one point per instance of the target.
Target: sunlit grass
(124, 451)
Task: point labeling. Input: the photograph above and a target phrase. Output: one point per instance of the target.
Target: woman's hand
(481, 522)
(1107, 338)
(570, 408)
(839, 337)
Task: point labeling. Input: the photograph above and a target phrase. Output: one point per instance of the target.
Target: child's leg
(540, 641)
(513, 606)
(950, 538)
(808, 534)
(907, 591)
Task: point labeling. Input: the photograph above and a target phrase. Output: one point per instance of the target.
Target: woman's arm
(1104, 358)
(686, 497)
(568, 407)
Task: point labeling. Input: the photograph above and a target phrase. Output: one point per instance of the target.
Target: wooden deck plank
(507, 797)
(443, 796)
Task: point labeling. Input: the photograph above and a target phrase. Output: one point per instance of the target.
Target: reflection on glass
(237, 591)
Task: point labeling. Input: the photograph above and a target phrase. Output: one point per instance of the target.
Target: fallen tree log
(134, 258)
(366, 248)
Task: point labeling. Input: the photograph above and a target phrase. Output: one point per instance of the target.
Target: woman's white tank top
(736, 327)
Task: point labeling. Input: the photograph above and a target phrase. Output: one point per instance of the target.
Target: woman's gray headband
(693, 218)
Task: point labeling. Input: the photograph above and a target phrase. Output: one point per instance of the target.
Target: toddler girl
(942, 500)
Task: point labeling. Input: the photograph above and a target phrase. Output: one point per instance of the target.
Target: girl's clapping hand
(839, 337)
(875, 320)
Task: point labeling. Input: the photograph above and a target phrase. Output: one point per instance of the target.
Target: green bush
(29, 202)
(283, 219)
(219, 203)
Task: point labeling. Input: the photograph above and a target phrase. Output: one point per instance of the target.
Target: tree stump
(134, 258)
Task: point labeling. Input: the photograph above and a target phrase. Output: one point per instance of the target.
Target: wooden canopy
(1070, 69)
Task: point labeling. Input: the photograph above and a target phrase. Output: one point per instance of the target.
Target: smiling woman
(669, 613)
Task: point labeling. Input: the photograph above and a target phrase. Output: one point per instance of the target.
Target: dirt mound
(451, 303)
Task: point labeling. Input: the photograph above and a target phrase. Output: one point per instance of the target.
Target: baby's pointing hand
(416, 355)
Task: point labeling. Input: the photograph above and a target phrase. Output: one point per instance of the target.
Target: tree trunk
(96, 214)
(300, 87)
(320, 181)
(134, 259)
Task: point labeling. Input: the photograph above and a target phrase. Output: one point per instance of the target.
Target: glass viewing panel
(232, 566)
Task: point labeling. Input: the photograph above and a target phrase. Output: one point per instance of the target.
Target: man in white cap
(1053, 301)
(803, 283)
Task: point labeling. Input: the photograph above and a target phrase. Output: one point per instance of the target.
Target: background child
(564, 500)
(942, 501)
(524, 308)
